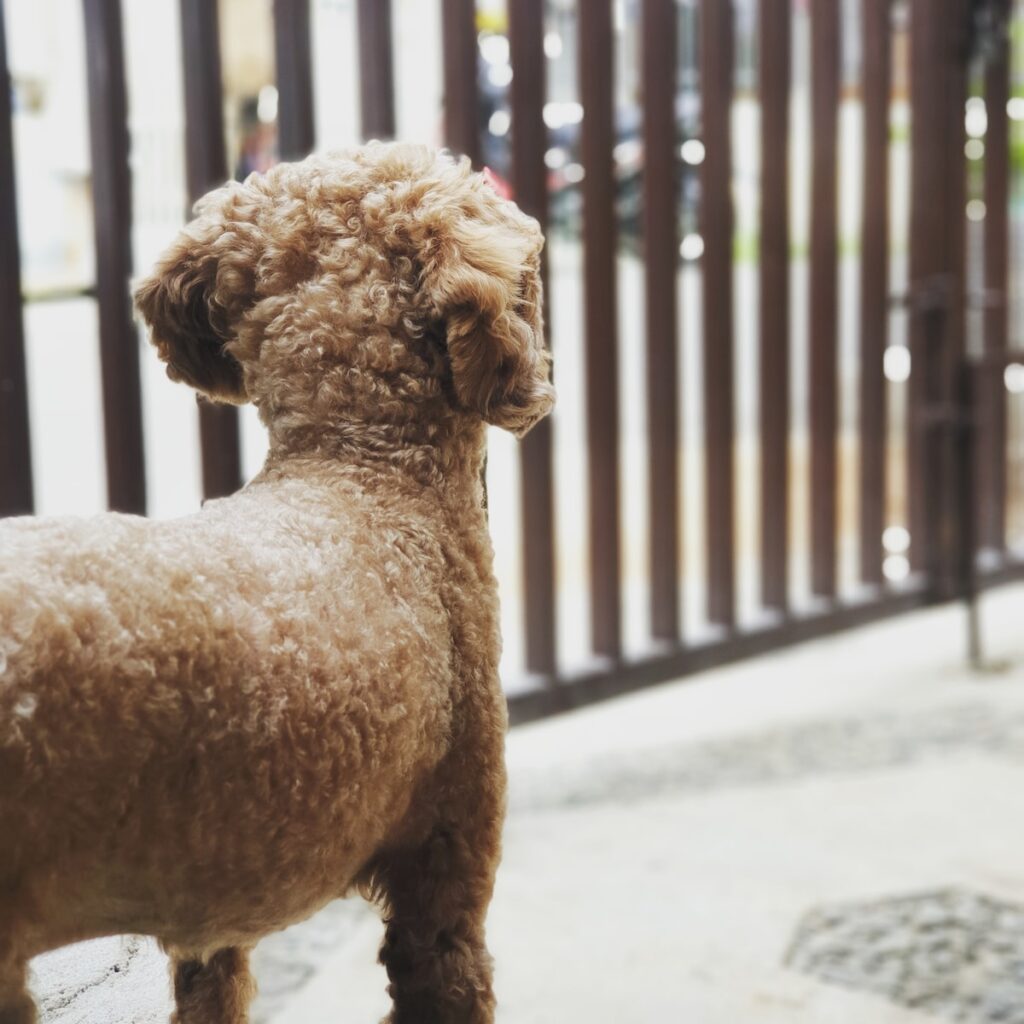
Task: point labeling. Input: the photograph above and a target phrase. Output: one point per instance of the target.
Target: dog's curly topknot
(389, 284)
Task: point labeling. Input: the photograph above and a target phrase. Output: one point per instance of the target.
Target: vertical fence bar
(376, 70)
(955, 56)
(295, 128)
(206, 166)
(529, 182)
(775, 55)
(925, 260)
(717, 228)
(947, 528)
(112, 218)
(661, 258)
(824, 269)
(461, 93)
(991, 451)
(958, 476)
(874, 284)
(938, 193)
(600, 321)
(15, 450)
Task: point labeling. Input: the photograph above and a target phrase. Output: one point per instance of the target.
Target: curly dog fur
(211, 726)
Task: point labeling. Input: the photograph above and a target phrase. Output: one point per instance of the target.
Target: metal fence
(956, 436)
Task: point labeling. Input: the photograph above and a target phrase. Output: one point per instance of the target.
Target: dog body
(211, 726)
(258, 743)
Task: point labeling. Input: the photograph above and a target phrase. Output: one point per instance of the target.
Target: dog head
(389, 284)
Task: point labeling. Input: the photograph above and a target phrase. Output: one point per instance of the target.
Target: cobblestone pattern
(828, 746)
(950, 953)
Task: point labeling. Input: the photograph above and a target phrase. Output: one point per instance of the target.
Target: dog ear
(483, 277)
(199, 290)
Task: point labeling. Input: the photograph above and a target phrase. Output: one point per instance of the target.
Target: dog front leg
(436, 898)
(16, 1005)
(217, 991)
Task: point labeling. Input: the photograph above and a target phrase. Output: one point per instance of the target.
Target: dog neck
(446, 457)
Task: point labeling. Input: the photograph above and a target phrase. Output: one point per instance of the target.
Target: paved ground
(830, 834)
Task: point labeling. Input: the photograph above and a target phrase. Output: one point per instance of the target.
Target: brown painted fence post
(600, 323)
(991, 450)
(874, 285)
(15, 451)
(461, 107)
(937, 253)
(376, 70)
(529, 181)
(661, 260)
(717, 49)
(112, 204)
(295, 126)
(824, 274)
(775, 28)
(206, 167)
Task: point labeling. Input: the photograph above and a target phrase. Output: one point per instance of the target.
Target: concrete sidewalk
(830, 834)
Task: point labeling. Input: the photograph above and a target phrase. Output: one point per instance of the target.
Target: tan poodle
(212, 726)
